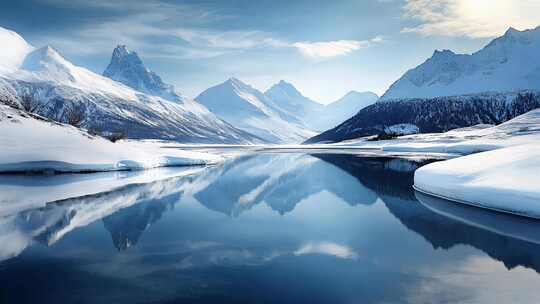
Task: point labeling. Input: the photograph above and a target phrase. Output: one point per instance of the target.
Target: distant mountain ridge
(508, 63)
(288, 98)
(344, 108)
(315, 115)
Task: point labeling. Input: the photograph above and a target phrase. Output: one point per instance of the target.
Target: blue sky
(325, 48)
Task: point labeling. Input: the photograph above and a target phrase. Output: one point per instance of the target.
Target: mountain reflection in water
(244, 230)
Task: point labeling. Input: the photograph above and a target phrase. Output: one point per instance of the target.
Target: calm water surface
(262, 228)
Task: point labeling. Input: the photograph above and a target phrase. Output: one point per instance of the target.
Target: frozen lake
(260, 228)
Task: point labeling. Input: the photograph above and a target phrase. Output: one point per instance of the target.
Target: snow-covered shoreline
(502, 180)
(33, 144)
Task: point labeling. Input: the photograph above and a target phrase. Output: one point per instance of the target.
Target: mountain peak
(234, 80)
(284, 87)
(511, 31)
(128, 68)
(120, 51)
(443, 53)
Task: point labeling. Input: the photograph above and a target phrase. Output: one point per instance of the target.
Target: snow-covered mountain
(314, 115)
(288, 98)
(491, 86)
(127, 67)
(344, 108)
(250, 110)
(48, 78)
(508, 63)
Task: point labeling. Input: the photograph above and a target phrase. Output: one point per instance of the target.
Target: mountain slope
(344, 108)
(508, 63)
(313, 114)
(288, 98)
(128, 68)
(250, 110)
(108, 106)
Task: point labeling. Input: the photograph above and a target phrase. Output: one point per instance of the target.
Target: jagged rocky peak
(443, 53)
(128, 68)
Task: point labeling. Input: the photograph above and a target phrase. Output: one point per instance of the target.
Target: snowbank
(35, 144)
(503, 180)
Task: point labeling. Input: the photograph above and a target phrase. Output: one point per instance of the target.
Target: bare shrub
(74, 114)
(30, 104)
(117, 135)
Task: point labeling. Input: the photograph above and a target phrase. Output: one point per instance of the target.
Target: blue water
(263, 228)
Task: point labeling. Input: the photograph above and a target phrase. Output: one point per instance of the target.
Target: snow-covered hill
(48, 78)
(508, 63)
(250, 110)
(127, 67)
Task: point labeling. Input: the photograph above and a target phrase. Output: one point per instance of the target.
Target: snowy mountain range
(252, 111)
(508, 63)
(491, 86)
(288, 98)
(314, 115)
(47, 77)
(344, 108)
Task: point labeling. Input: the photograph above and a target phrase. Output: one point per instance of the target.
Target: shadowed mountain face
(433, 115)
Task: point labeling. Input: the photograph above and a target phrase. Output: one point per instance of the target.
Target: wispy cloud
(470, 18)
(330, 48)
(164, 30)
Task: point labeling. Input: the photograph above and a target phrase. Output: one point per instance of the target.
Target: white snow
(503, 177)
(30, 144)
(524, 129)
(504, 180)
